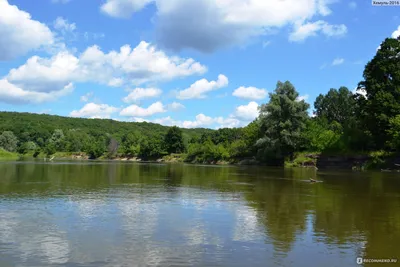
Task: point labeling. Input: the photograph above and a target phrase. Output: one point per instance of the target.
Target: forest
(343, 122)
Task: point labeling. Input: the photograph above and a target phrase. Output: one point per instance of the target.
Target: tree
(75, 140)
(282, 120)
(174, 141)
(382, 87)
(336, 105)
(27, 147)
(151, 147)
(130, 144)
(8, 141)
(57, 140)
(320, 135)
(394, 133)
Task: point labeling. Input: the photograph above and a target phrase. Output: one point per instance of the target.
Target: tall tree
(382, 87)
(8, 141)
(336, 105)
(174, 140)
(282, 120)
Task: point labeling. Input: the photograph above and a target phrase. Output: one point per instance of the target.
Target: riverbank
(5, 155)
(377, 160)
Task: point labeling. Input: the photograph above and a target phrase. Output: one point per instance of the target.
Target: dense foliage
(343, 122)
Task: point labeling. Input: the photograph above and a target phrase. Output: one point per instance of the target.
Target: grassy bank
(5, 155)
(303, 159)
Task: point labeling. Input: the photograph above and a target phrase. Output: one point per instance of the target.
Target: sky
(190, 63)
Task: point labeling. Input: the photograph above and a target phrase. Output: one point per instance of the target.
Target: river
(136, 214)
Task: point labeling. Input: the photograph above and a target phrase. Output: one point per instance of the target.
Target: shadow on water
(105, 213)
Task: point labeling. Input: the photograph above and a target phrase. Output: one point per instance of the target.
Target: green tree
(8, 141)
(95, 148)
(174, 141)
(130, 144)
(382, 87)
(336, 105)
(282, 120)
(75, 140)
(27, 147)
(394, 133)
(57, 140)
(321, 136)
(151, 147)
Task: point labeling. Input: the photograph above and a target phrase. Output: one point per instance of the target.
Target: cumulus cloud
(302, 97)
(86, 97)
(242, 116)
(247, 112)
(304, 30)
(63, 25)
(94, 111)
(136, 111)
(20, 33)
(338, 61)
(142, 93)
(123, 8)
(200, 88)
(175, 106)
(45, 75)
(128, 66)
(222, 23)
(12, 94)
(251, 93)
(396, 33)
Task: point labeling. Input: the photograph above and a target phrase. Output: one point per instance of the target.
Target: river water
(137, 214)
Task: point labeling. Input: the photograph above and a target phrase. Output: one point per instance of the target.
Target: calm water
(124, 214)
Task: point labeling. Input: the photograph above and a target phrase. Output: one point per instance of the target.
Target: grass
(5, 155)
(302, 159)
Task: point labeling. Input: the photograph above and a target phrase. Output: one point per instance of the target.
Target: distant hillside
(43, 125)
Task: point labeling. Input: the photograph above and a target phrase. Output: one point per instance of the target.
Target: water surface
(127, 214)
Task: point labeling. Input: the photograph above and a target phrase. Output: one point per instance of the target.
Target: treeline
(343, 122)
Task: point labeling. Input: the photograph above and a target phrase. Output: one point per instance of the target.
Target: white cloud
(200, 122)
(223, 23)
(167, 121)
(251, 93)
(241, 117)
(20, 33)
(230, 122)
(92, 110)
(136, 111)
(337, 61)
(86, 97)
(45, 75)
(63, 25)
(128, 66)
(123, 8)
(396, 33)
(142, 93)
(304, 30)
(115, 82)
(12, 94)
(360, 91)
(200, 88)
(303, 97)
(247, 112)
(352, 5)
(175, 106)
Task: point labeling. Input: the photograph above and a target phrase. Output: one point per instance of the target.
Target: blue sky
(179, 62)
